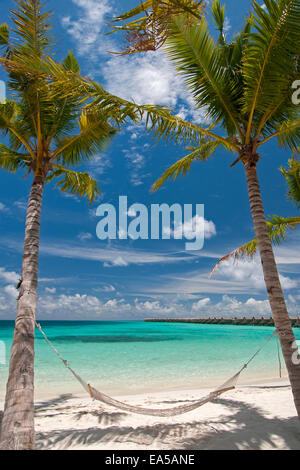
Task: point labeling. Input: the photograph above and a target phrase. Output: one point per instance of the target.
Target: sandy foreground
(257, 417)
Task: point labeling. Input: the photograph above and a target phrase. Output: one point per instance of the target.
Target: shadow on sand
(247, 428)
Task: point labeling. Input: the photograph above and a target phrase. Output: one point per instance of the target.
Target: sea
(126, 358)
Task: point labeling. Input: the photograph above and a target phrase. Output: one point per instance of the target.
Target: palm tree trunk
(18, 420)
(273, 285)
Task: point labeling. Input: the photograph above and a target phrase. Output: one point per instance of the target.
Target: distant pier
(256, 321)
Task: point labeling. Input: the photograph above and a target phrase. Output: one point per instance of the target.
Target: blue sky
(82, 277)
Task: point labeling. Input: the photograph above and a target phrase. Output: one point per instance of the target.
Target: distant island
(257, 321)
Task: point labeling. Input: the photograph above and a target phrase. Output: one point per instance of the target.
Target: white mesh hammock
(178, 410)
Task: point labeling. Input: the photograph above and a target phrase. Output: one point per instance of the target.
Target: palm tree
(277, 226)
(246, 87)
(47, 136)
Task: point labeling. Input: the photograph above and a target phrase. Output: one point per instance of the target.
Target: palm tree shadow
(61, 405)
(45, 405)
(249, 429)
(246, 428)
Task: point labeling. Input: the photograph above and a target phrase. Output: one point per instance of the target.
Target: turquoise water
(136, 357)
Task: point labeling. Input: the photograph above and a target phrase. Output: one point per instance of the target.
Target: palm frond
(278, 231)
(270, 57)
(4, 34)
(149, 31)
(158, 119)
(183, 166)
(33, 27)
(292, 176)
(75, 182)
(12, 161)
(71, 63)
(201, 61)
(10, 124)
(95, 134)
(218, 17)
(287, 133)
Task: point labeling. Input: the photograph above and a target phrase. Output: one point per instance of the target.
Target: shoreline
(78, 392)
(238, 321)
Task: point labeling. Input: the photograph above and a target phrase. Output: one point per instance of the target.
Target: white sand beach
(251, 417)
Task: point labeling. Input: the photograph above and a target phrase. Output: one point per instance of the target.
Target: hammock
(178, 410)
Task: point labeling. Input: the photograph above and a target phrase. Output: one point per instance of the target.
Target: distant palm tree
(277, 226)
(47, 135)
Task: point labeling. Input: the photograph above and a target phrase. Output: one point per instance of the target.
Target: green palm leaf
(292, 176)
(278, 230)
(150, 31)
(183, 166)
(11, 160)
(158, 119)
(71, 63)
(201, 62)
(270, 57)
(75, 182)
(287, 133)
(4, 34)
(33, 27)
(95, 134)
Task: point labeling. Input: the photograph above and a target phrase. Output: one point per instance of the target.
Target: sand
(250, 417)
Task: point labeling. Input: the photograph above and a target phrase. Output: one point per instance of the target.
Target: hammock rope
(178, 410)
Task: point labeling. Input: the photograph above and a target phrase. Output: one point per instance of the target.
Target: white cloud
(150, 78)
(146, 78)
(81, 306)
(250, 272)
(227, 25)
(84, 236)
(9, 276)
(3, 207)
(50, 290)
(119, 256)
(288, 254)
(231, 307)
(198, 306)
(87, 29)
(190, 227)
(117, 304)
(155, 307)
(99, 164)
(143, 78)
(136, 163)
(109, 288)
(68, 306)
(11, 291)
(84, 306)
(21, 205)
(119, 261)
